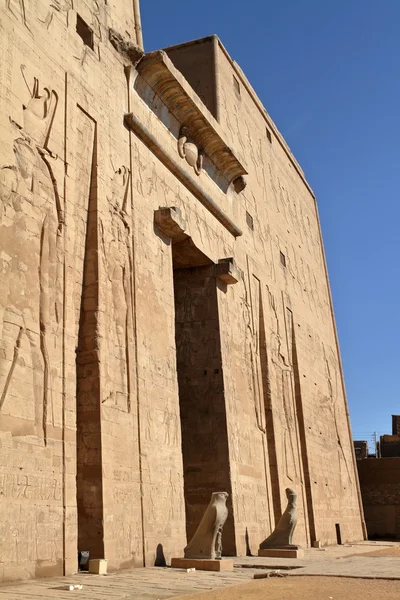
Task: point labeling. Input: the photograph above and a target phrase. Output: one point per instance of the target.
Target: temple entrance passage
(201, 395)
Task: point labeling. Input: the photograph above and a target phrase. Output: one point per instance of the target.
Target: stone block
(227, 271)
(282, 553)
(98, 566)
(171, 222)
(225, 564)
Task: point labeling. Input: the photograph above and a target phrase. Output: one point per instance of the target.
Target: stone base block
(98, 566)
(200, 564)
(282, 553)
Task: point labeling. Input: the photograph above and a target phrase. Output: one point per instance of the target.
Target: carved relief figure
(30, 236)
(207, 541)
(117, 256)
(170, 425)
(253, 316)
(329, 402)
(282, 535)
(21, 8)
(60, 7)
(190, 151)
(95, 22)
(284, 391)
(8, 185)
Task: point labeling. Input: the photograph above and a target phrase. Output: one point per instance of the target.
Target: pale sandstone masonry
(166, 328)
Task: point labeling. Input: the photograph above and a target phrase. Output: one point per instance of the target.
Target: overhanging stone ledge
(159, 72)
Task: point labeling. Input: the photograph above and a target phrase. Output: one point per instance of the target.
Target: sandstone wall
(286, 288)
(103, 223)
(65, 216)
(287, 412)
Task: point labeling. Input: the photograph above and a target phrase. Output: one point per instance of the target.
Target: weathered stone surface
(133, 380)
(282, 535)
(125, 47)
(207, 540)
(226, 564)
(281, 552)
(98, 566)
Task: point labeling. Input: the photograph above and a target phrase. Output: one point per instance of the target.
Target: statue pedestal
(282, 552)
(202, 564)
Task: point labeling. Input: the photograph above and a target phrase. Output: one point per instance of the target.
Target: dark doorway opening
(201, 387)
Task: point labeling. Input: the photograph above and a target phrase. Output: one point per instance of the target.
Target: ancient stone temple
(166, 325)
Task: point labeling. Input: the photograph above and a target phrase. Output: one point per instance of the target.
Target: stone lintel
(202, 564)
(227, 271)
(282, 553)
(160, 73)
(171, 222)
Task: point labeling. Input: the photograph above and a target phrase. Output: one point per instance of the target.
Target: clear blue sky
(328, 72)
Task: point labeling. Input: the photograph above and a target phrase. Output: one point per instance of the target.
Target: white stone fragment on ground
(71, 587)
(275, 573)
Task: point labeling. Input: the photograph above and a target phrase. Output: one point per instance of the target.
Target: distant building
(380, 483)
(361, 449)
(390, 444)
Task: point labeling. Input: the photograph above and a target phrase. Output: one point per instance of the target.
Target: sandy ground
(305, 588)
(389, 551)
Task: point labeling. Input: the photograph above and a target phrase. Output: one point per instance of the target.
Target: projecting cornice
(178, 96)
(172, 121)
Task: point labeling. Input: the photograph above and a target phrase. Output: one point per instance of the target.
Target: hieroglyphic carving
(8, 185)
(288, 422)
(170, 426)
(117, 257)
(60, 7)
(254, 345)
(11, 5)
(94, 22)
(331, 402)
(188, 150)
(31, 233)
(29, 486)
(283, 371)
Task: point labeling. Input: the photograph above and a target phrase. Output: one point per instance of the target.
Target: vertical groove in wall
(217, 79)
(128, 73)
(89, 459)
(257, 318)
(269, 419)
(303, 442)
(138, 23)
(64, 317)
